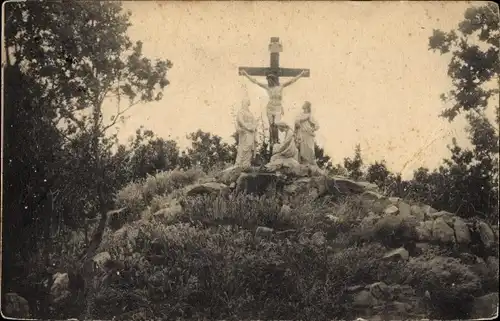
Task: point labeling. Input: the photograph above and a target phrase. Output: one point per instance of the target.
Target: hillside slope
(309, 247)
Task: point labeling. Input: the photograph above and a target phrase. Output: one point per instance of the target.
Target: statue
(246, 126)
(305, 126)
(285, 153)
(274, 106)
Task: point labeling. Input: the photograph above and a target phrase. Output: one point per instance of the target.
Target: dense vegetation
(63, 168)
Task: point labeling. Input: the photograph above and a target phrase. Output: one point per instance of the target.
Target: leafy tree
(474, 67)
(152, 154)
(208, 150)
(354, 165)
(378, 173)
(63, 60)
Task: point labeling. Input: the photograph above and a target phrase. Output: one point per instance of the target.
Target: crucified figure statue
(274, 106)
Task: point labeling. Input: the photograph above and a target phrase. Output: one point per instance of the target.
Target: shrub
(451, 284)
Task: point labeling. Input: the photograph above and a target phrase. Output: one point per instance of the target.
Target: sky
(373, 80)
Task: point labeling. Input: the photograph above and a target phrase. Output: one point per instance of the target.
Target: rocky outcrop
(15, 306)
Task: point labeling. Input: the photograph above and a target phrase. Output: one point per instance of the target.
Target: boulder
(15, 306)
(364, 299)
(428, 210)
(442, 232)
(486, 234)
(318, 238)
(229, 175)
(257, 183)
(462, 233)
(205, 188)
(424, 232)
(391, 210)
(172, 210)
(448, 217)
(485, 306)
(379, 290)
(291, 167)
(397, 254)
(404, 208)
(395, 200)
(492, 263)
(371, 196)
(60, 287)
(348, 186)
(418, 212)
(263, 232)
(101, 259)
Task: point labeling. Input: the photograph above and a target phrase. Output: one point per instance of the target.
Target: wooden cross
(275, 47)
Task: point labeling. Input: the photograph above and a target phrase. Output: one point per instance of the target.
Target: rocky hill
(285, 244)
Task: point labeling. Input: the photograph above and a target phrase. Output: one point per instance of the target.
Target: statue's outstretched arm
(288, 83)
(254, 80)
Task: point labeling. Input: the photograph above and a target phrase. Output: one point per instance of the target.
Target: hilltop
(286, 245)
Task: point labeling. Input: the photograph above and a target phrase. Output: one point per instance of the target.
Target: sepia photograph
(260, 160)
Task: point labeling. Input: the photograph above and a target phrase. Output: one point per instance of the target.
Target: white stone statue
(285, 153)
(305, 128)
(274, 106)
(246, 126)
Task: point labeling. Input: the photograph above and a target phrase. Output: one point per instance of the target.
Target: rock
(391, 210)
(318, 238)
(368, 186)
(379, 290)
(418, 212)
(364, 299)
(15, 306)
(355, 288)
(395, 200)
(263, 231)
(172, 210)
(442, 232)
(404, 208)
(398, 254)
(205, 188)
(424, 232)
(371, 195)
(485, 306)
(462, 233)
(333, 218)
(308, 187)
(256, 183)
(486, 234)
(291, 167)
(428, 210)
(230, 175)
(59, 286)
(492, 263)
(348, 186)
(101, 258)
(285, 211)
(448, 217)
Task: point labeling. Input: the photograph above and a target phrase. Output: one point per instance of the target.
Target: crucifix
(275, 47)
(273, 87)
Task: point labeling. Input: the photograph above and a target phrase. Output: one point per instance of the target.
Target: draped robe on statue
(305, 127)
(286, 152)
(245, 126)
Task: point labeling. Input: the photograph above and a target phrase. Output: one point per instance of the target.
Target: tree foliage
(63, 60)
